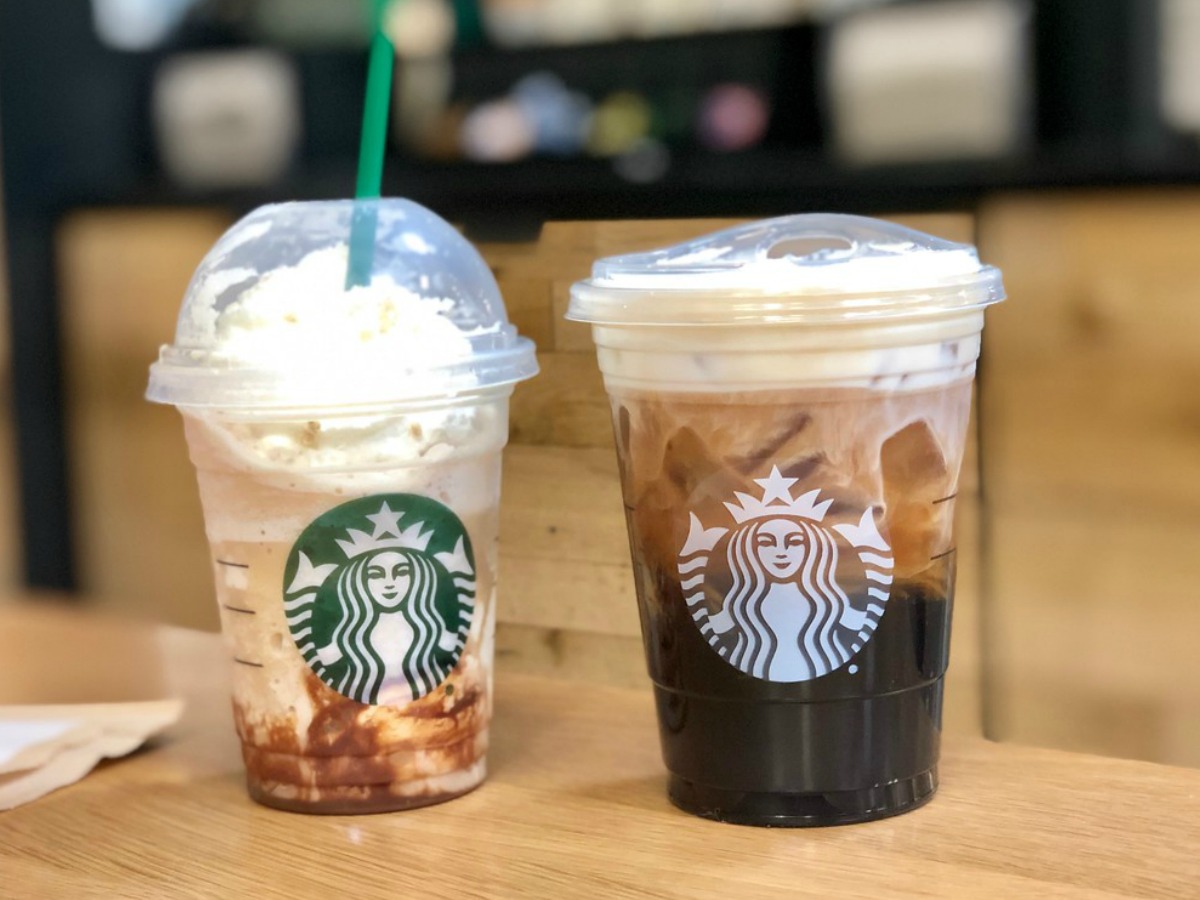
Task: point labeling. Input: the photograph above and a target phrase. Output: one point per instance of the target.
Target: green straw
(371, 151)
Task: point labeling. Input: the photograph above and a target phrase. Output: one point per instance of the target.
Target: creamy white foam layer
(893, 356)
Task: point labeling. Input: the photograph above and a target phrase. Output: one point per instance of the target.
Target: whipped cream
(304, 312)
(268, 323)
(301, 316)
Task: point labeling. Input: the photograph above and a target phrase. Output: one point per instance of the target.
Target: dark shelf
(754, 183)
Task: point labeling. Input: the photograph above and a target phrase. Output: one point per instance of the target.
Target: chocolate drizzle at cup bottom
(352, 758)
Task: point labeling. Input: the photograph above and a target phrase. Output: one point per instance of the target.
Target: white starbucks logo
(379, 595)
(767, 593)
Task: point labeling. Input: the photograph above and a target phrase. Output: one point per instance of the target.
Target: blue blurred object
(138, 24)
(559, 116)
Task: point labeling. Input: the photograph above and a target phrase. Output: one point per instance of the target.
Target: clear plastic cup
(347, 447)
(790, 401)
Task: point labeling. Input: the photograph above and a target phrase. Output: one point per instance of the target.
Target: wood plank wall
(1092, 427)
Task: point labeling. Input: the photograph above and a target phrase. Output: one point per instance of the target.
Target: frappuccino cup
(347, 447)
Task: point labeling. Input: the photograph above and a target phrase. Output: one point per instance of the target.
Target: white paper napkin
(43, 748)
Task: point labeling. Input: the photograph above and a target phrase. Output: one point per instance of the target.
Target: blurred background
(1059, 135)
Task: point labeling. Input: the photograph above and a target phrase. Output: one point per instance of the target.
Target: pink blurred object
(733, 117)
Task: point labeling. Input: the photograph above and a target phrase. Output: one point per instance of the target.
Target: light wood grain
(565, 405)
(1093, 472)
(575, 806)
(563, 504)
(530, 308)
(573, 654)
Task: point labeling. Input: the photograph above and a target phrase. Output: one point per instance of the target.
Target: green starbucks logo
(379, 596)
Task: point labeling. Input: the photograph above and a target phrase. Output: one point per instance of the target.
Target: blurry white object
(227, 119)
(945, 80)
(421, 29)
(1180, 63)
(497, 131)
(137, 24)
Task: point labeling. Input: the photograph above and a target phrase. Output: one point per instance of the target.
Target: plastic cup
(347, 447)
(790, 401)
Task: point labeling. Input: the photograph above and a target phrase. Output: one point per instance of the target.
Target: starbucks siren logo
(776, 609)
(379, 597)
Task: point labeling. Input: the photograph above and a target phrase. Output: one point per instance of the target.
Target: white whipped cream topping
(304, 311)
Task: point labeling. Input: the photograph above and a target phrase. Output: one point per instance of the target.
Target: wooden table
(575, 806)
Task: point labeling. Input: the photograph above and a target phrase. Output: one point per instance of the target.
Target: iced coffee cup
(347, 446)
(790, 403)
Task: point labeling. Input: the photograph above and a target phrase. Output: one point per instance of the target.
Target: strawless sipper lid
(267, 322)
(815, 268)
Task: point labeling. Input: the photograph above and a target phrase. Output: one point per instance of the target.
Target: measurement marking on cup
(944, 553)
(235, 565)
(246, 662)
(239, 609)
(944, 499)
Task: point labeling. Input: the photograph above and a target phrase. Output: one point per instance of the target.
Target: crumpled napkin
(43, 748)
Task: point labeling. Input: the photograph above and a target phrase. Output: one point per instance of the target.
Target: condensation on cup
(790, 402)
(347, 446)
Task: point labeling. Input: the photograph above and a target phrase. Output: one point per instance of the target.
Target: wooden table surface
(575, 806)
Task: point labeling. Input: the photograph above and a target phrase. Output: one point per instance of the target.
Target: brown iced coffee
(790, 433)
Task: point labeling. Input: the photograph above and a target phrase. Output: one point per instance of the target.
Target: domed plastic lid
(818, 268)
(267, 322)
